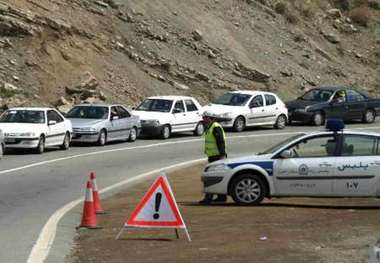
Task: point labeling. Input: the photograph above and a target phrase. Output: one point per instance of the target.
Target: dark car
(333, 102)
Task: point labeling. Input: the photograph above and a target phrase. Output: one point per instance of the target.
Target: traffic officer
(215, 148)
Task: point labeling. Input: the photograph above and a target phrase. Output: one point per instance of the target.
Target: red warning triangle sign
(157, 208)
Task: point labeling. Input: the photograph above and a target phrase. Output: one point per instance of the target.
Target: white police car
(333, 163)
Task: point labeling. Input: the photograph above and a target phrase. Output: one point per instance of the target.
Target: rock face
(138, 49)
(331, 37)
(251, 73)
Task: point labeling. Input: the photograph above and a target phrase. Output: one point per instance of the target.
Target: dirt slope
(128, 49)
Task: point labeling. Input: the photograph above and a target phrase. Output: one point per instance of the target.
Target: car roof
(251, 92)
(32, 108)
(171, 97)
(345, 131)
(332, 88)
(96, 105)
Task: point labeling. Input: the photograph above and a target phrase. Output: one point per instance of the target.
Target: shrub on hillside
(283, 9)
(342, 4)
(360, 15)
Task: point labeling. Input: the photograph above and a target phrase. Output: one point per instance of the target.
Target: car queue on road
(38, 128)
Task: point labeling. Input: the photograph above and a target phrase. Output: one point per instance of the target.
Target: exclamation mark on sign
(157, 206)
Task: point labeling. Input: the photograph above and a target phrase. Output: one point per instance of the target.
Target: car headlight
(88, 129)
(226, 115)
(217, 167)
(27, 134)
(151, 122)
(304, 109)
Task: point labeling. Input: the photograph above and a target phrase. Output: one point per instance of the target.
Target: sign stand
(157, 209)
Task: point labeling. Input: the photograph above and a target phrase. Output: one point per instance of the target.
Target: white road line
(132, 148)
(42, 247)
(154, 145)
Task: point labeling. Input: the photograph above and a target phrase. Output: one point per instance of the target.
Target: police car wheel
(239, 124)
(165, 133)
(280, 122)
(369, 116)
(199, 130)
(247, 189)
(318, 119)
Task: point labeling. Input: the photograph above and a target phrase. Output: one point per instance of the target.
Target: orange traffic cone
(98, 206)
(89, 215)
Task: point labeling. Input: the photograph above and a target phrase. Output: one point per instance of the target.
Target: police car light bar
(334, 125)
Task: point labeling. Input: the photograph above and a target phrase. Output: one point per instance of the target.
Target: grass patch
(7, 93)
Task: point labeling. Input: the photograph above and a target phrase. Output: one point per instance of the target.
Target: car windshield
(319, 95)
(232, 99)
(23, 116)
(88, 112)
(155, 105)
(279, 145)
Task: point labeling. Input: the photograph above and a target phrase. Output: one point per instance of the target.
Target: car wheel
(239, 124)
(318, 119)
(369, 116)
(280, 122)
(165, 133)
(102, 138)
(41, 145)
(133, 135)
(247, 189)
(66, 142)
(199, 130)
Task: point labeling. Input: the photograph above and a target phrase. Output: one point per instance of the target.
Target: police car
(331, 163)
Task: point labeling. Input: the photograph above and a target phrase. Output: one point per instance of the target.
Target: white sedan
(240, 109)
(164, 115)
(35, 128)
(329, 163)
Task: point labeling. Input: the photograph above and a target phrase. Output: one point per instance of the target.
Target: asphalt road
(33, 187)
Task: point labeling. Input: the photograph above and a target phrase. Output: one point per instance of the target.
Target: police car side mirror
(286, 154)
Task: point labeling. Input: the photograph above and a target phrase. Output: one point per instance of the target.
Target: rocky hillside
(59, 52)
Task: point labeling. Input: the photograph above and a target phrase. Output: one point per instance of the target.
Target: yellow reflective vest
(211, 148)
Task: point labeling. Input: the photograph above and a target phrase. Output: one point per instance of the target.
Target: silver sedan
(102, 123)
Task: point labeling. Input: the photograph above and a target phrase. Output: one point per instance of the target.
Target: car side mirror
(51, 122)
(254, 105)
(286, 154)
(114, 117)
(176, 111)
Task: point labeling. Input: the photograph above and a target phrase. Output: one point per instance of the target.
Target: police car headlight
(217, 167)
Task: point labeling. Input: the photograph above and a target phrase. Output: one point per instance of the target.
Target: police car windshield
(88, 112)
(23, 116)
(319, 95)
(232, 99)
(155, 105)
(278, 146)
